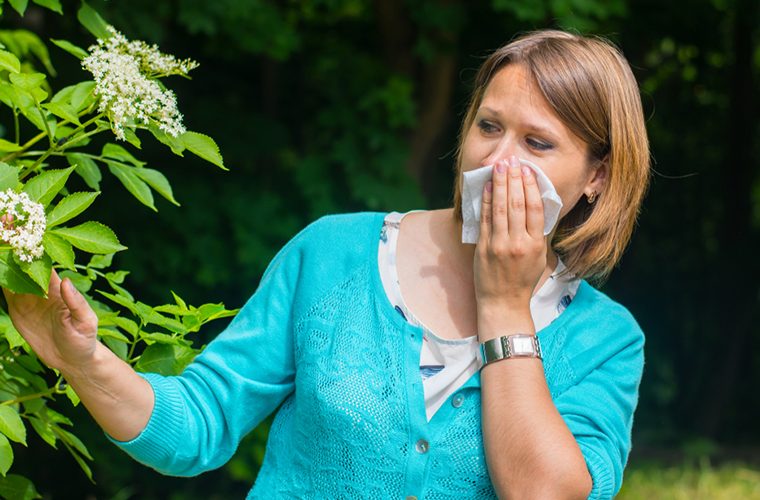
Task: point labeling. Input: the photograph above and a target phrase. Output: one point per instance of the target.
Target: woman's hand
(61, 329)
(510, 255)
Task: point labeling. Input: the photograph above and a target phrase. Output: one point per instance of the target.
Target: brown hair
(590, 86)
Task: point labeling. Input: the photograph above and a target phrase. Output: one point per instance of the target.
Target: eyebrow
(532, 126)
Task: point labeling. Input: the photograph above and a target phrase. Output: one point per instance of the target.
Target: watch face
(522, 345)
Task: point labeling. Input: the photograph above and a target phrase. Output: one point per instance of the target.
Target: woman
(373, 348)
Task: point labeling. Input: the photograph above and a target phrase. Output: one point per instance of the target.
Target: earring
(591, 198)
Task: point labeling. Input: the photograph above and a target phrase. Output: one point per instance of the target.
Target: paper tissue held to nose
(472, 195)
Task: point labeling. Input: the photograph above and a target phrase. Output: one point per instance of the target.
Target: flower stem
(16, 125)
(21, 399)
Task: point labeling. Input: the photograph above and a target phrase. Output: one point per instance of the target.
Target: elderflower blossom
(124, 73)
(22, 224)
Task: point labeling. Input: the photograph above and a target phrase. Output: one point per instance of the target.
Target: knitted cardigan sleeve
(599, 407)
(200, 416)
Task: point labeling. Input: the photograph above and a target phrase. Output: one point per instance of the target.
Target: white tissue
(472, 194)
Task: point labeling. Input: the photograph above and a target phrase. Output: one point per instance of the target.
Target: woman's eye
(539, 145)
(487, 127)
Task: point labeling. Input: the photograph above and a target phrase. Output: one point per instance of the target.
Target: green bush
(730, 481)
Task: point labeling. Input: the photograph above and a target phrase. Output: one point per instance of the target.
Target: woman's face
(515, 119)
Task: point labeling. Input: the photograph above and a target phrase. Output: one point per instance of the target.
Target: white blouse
(445, 364)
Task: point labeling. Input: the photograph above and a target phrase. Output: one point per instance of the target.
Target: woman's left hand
(510, 255)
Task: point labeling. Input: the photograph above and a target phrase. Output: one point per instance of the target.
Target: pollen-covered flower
(22, 224)
(125, 75)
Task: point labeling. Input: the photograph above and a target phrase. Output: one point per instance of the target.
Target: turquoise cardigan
(320, 338)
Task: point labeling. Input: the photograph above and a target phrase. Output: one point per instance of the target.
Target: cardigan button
(411, 497)
(458, 400)
(422, 446)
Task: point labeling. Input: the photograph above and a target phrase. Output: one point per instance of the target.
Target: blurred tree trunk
(730, 358)
(434, 79)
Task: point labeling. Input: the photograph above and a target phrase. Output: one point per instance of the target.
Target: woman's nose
(501, 150)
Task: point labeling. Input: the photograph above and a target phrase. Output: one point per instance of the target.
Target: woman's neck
(446, 232)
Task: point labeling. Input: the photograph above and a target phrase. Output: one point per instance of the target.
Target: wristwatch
(510, 346)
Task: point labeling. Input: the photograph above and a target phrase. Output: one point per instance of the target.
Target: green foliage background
(325, 106)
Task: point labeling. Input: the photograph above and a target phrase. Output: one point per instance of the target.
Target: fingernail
(513, 161)
(500, 167)
(489, 186)
(526, 171)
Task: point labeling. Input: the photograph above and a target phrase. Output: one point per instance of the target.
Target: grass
(652, 480)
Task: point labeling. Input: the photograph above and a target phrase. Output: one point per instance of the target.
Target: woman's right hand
(61, 329)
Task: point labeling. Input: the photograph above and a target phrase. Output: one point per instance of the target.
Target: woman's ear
(598, 181)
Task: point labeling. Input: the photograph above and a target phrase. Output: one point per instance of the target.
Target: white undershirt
(445, 365)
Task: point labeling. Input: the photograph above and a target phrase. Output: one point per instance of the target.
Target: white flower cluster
(124, 75)
(22, 224)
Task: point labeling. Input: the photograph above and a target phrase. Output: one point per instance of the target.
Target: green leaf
(112, 333)
(100, 261)
(157, 181)
(33, 115)
(163, 338)
(173, 309)
(116, 152)
(19, 6)
(131, 137)
(11, 424)
(8, 95)
(17, 487)
(86, 168)
(6, 455)
(76, 97)
(119, 347)
(8, 177)
(127, 325)
(69, 207)
(24, 43)
(14, 279)
(11, 334)
(91, 20)
(134, 184)
(45, 186)
(43, 430)
(8, 146)
(165, 359)
(59, 250)
(39, 270)
(117, 277)
(27, 81)
(181, 303)
(92, 237)
(53, 5)
(209, 312)
(63, 96)
(113, 319)
(72, 395)
(148, 315)
(122, 301)
(75, 442)
(83, 95)
(30, 363)
(9, 61)
(121, 291)
(80, 282)
(69, 47)
(176, 144)
(32, 406)
(203, 146)
(62, 111)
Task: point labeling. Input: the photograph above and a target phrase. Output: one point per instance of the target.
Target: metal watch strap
(510, 346)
